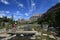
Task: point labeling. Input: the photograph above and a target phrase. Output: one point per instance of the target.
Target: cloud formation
(26, 14)
(7, 12)
(5, 2)
(21, 5)
(33, 4)
(4, 13)
(18, 13)
(1, 15)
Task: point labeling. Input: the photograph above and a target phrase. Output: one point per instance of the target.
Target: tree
(52, 17)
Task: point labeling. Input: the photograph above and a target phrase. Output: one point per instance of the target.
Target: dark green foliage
(52, 17)
(4, 20)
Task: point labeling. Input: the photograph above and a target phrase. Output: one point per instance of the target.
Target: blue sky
(24, 8)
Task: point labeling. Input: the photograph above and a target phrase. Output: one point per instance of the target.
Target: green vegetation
(51, 17)
(5, 22)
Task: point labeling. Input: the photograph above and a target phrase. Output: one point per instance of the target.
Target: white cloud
(1, 12)
(30, 11)
(17, 17)
(33, 4)
(32, 7)
(5, 2)
(9, 16)
(7, 12)
(14, 16)
(17, 11)
(4, 12)
(1, 15)
(26, 14)
(21, 5)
